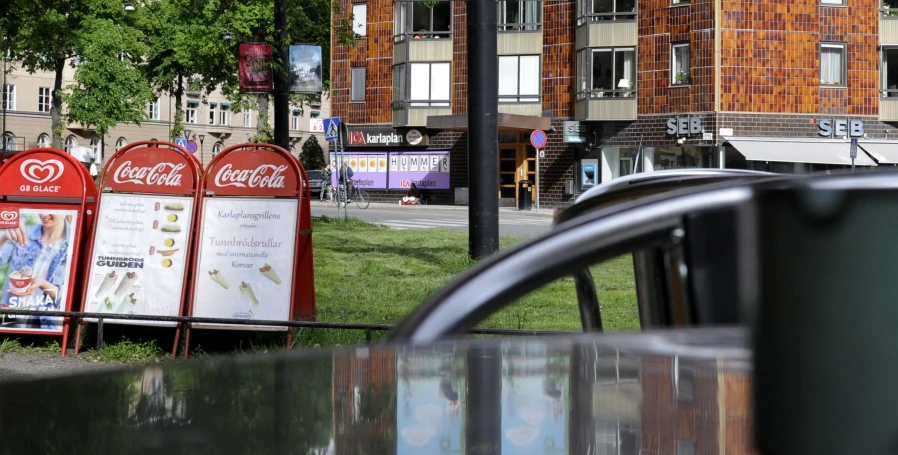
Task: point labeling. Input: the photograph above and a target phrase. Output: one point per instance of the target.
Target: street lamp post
(201, 137)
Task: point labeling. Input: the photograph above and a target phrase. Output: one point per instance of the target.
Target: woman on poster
(37, 254)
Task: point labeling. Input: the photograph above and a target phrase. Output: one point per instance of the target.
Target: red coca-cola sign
(254, 172)
(150, 170)
(41, 174)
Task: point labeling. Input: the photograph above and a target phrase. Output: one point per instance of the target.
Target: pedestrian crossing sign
(332, 129)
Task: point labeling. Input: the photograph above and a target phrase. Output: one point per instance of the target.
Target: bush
(312, 157)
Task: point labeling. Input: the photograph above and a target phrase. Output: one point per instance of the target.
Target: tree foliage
(312, 156)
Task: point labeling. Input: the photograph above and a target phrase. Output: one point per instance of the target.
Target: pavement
(512, 222)
(16, 366)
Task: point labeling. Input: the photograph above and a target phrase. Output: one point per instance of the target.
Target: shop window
(613, 72)
(618, 438)
(153, 111)
(519, 79)
(832, 64)
(357, 92)
(889, 72)
(889, 8)
(515, 15)
(605, 10)
(9, 97)
(43, 141)
(359, 19)
(684, 379)
(679, 64)
(683, 157)
(422, 20)
(429, 84)
(43, 99)
(191, 111)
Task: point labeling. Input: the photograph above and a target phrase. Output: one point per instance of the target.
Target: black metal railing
(602, 17)
(368, 328)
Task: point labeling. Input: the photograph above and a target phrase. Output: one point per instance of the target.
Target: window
(683, 379)
(217, 148)
(153, 113)
(605, 10)
(519, 79)
(9, 142)
(832, 2)
(519, 15)
(223, 118)
(43, 141)
(191, 111)
(296, 120)
(359, 18)
(358, 85)
(70, 144)
(9, 97)
(429, 84)
(400, 84)
(889, 8)
(685, 447)
(212, 107)
(96, 147)
(679, 2)
(679, 64)
(613, 72)
(121, 142)
(613, 368)
(43, 99)
(247, 118)
(832, 64)
(889, 72)
(618, 438)
(428, 20)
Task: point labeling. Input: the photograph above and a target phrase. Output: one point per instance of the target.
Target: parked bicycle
(360, 196)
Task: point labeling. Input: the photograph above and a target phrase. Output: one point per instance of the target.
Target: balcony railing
(606, 93)
(519, 98)
(421, 35)
(602, 17)
(521, 27)
(405, 104)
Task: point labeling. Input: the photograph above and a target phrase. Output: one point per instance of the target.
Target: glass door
(508, 168)
(528, 167)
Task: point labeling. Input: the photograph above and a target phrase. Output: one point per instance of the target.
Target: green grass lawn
(371, 274)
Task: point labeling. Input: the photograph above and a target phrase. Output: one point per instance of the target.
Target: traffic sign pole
(538, 140)
(853, 152)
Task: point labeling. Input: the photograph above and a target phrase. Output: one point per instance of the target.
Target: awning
(798, 150)
(505, 121)
(885, 152)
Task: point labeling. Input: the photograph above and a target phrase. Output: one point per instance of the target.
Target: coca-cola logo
(36, 171)
(161, 174)
(264, 176)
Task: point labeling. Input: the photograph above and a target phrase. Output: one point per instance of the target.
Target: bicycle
(360, 197)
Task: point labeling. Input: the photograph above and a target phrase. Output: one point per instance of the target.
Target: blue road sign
(853, 148)
(538, 139)
(181, 142)
(332, 129)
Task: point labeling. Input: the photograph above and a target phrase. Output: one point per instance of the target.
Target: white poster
(434, 163)
(413, 163)
(372, 163)
(444, 164)
(403, 163)
(245, 267)
(139, 257)
(394, 163)
(381, 163)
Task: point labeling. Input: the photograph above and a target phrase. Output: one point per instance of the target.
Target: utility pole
(483, 129)
(281, 80)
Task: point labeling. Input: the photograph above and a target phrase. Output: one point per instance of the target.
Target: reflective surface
(651, 393)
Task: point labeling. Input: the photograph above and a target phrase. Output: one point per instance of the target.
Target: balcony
(617, 105)
(522, 42)
(404, 115)
(888, 24)
(424, 49)
(888, 106)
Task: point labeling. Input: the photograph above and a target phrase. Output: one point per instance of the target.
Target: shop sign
(573, 132)
(386, 137)
(840, 128)
(684, 125)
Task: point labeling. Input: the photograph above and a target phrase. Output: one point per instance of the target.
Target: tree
(312, 157)
(110, 87)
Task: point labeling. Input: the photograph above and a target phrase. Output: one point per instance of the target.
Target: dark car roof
(640, 185)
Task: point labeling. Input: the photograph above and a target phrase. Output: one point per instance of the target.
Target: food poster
(246, 259)
(36, 247)
(430, 413)
(534, 397)
(369, 171)
(139, 256)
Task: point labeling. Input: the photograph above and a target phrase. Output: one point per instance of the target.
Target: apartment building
(209, 120)
(625, 86)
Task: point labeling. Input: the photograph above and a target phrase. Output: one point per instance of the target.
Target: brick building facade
(653, 84)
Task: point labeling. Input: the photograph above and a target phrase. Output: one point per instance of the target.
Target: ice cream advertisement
(36, 248)
(139, 256)
(534, 395)
(245, 266)
(431, 395)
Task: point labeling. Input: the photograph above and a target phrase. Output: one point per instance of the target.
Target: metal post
(483, 432)
(281, 83)
(537, 179)
(3, 133)
(483, 129)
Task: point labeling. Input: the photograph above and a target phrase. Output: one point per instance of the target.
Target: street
(451, 218)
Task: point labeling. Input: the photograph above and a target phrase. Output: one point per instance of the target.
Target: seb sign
(840, 128)
(252, 172)
(684, 125)
(386, 137)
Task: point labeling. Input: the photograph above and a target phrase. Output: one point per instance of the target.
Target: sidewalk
(543, 212)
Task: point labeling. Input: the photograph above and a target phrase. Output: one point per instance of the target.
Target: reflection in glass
(430, 391)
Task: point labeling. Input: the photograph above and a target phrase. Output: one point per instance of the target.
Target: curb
(544, 212)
